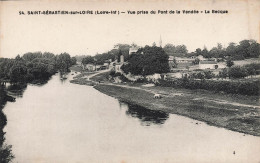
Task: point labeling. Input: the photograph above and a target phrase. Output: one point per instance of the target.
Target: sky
(91, 34)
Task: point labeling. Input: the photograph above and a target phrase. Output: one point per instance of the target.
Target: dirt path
(92, 75)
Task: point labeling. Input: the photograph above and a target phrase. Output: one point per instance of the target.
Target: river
(61, 122)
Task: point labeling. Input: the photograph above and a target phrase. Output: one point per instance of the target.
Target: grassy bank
(234, 112)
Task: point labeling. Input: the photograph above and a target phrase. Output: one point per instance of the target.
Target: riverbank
(5, 150)
(231, 111)
(219, 111)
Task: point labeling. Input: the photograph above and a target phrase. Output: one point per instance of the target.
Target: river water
(61, 122)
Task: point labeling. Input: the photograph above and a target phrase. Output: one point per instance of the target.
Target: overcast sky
(91, 34)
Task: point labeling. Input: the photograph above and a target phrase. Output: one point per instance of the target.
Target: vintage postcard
(114, 81)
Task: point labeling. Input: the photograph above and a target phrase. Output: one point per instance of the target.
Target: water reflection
(146, 116)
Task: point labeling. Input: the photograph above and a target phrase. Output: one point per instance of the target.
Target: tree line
(101, 58)
(34, 67)
(243, 50)
(5, 150)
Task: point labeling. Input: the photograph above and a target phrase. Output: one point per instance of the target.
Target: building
(183, 60)
(90, 67)
(133, 49)
(201, 58)
(208, 65)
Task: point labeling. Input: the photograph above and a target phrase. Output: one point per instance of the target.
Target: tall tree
(148, 60)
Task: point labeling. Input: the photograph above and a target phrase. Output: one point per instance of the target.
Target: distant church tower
(160, 42)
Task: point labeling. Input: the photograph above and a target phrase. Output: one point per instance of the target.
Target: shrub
(237, 72)
(233, 87)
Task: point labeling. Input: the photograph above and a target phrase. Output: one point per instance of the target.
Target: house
(133, 49)
(154, 78)
(106, 64)
(201, 58)
(90, 67)
(208, 65)
(183, 60)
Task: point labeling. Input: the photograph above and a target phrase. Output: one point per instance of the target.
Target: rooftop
(208, 62)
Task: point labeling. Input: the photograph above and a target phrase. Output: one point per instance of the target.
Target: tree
(208, 74)
(87, 60)
(252, 68)
(155, 60)
(223, 73)
(18, 73)
(147, 61)
(178, 51)
(173, 64)
(169, 49)
(242, 48)
(198, 51)
(237, 72)
(231, 49)
(205, 52)
(229, 63)
(254, 49)
(73, 61)
(196, 61)
(181, 50)
(63, 62)
(219, 46)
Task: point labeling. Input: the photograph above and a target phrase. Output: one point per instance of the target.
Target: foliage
(33, 67)
(5, 150)
(147, 61)
(177, 51)
(87, 60)
(196, 61)
(122, 49)
(233, 87)
(245, 49)
(6, 155)
(229, 63)
(223, 73)
(63, 62)
(202, 75)
(73, 60)
(237, 72)
(252, 69)
(241, 71)
(135, 65)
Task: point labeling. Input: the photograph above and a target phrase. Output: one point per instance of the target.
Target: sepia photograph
(158, 81)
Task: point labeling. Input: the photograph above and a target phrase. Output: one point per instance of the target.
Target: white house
(183, 60)
(201, 58)
(133, 49)
(90, 67)
(208, 65)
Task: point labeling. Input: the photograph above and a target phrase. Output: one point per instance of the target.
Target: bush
(237, 72)
(233, 87)
(112, 73)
